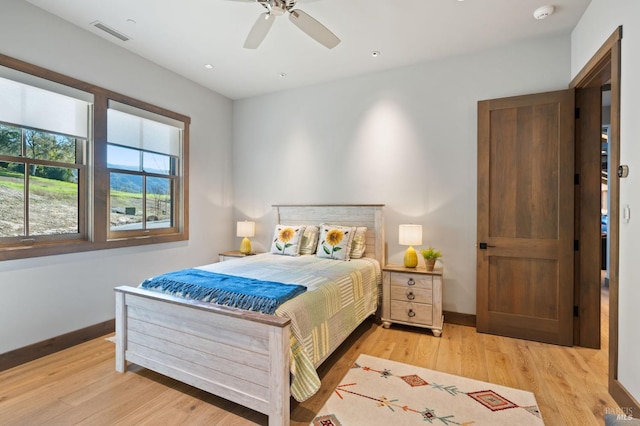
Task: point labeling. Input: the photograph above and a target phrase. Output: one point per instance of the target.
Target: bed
(247, 357)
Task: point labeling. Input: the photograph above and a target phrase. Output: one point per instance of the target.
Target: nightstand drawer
(411, 294)
(418, 313)
(411, 280)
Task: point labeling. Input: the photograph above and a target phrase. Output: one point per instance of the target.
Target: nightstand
(412, 296)
(228, 255)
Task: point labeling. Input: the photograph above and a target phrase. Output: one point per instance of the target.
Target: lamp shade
(410, 235)
(246, 228)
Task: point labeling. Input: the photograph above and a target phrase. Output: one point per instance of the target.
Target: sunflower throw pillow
(335, 241)
(286, 239)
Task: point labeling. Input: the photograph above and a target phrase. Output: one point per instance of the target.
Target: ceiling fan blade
(259, 30)
(314, 29)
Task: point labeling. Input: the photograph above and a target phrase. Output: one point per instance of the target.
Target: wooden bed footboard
(238, 355)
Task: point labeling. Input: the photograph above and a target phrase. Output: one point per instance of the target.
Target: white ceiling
(184, 35)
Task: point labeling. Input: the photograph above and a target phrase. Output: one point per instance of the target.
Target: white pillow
(335, 241)
(286, 239)
(309, 240)
(359, 243)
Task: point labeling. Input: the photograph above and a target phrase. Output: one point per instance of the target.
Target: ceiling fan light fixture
(277, 8)
(543, 12)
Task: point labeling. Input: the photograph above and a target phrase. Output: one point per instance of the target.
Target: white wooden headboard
(369, 215)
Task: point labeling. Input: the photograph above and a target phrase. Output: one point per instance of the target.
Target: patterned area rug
(381, 392)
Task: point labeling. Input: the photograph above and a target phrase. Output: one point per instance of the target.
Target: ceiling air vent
(111, 31)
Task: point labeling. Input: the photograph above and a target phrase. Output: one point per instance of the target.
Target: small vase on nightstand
(430, 263)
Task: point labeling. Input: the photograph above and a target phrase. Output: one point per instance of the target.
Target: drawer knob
(411, 313)
(411, 296)
(411, 282)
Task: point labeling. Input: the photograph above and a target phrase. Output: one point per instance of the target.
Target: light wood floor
(80, 386)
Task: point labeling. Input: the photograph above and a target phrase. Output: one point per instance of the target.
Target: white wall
(600, 19)
(45, 297)
(405, 138)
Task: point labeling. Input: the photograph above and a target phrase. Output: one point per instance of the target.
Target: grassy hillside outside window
(42, 176)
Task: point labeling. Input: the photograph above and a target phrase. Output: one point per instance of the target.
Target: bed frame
(238, 355)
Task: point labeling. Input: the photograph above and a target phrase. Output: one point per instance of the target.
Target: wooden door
(526, 217)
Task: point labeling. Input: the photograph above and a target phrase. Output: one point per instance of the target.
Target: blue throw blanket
(239, 292)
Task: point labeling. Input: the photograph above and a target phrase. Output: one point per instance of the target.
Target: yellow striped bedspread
(340, 295)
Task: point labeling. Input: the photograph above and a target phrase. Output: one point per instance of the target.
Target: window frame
(96, 201)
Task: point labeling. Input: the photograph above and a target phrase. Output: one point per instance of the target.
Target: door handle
(484, 246)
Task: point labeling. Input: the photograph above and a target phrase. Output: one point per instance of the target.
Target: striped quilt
(339, 296)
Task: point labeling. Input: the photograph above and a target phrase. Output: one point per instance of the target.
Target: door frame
(605, 64)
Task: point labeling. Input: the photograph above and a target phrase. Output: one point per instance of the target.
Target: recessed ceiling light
(131, 21)
(208, 66)
(543, 11)
(283, 74)
(375, 53)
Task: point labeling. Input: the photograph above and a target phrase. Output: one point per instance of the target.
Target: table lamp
(410, 235)
(245, 229)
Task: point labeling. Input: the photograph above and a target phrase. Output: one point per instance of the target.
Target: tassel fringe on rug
(382, 392)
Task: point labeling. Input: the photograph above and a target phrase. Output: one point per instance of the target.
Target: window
(83, 168)
(143, 160)
(43, 172)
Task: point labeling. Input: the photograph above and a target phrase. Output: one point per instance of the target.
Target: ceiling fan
(301, 19)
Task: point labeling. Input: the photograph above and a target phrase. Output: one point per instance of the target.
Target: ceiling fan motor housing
(277, 7)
